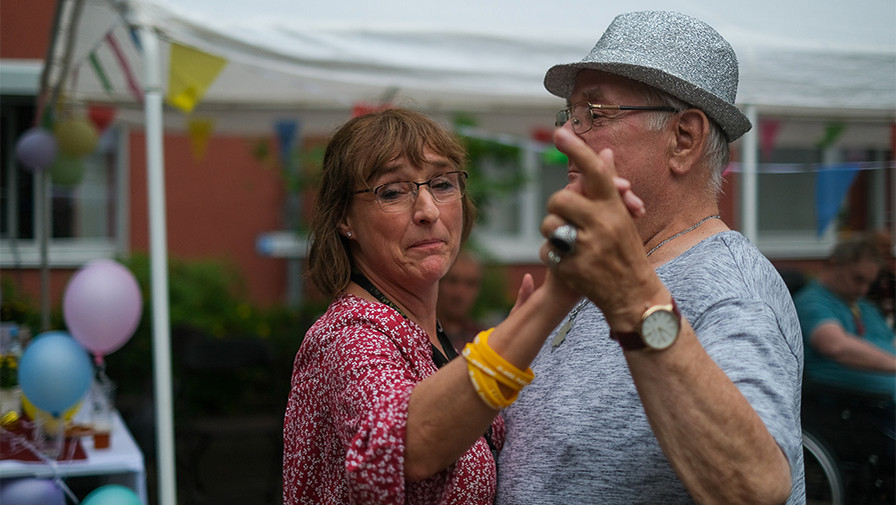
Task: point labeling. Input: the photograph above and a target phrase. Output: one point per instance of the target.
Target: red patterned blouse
(344, 432)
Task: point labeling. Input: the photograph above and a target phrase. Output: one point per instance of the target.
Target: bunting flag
(287, 130)
(134, 88)
(200, 131)
(190, 73)
(135, 38)
(101, 115)
(361, 108)
(832, 132)
(768, 135)
(100, 72)
(831, 187)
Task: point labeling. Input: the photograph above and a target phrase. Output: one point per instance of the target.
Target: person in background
(883, 290)
(378, 411)
(847, 340)
(458, 291)
(677, 378)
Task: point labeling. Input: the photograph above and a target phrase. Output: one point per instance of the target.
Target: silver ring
(564, 239)
(553, 259)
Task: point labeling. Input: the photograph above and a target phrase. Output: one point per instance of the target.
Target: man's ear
(691, 132)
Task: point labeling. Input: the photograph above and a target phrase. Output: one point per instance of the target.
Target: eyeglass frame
(462, 178)
(567, 112)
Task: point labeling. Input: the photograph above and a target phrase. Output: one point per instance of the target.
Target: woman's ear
(691, 132)
(345, 229)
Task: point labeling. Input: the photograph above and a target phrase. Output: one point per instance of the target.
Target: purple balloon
(30, 492)
(102, 305)
(37, 148)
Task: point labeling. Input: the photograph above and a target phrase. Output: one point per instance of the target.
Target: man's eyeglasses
(583, 115)
(399, 196)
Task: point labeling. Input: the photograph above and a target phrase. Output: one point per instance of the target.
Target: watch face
(660, 329)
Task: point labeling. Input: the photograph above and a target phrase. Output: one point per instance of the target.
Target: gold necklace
(561, 333)
(692, 228)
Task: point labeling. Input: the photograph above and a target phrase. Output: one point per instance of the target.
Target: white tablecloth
(121, 463)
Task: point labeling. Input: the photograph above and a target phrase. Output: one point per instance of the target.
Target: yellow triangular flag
(190, 73)
(200, 131)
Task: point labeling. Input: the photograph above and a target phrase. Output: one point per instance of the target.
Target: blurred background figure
(883, 289)
(458, 292)
(848, 341)
(849, 384)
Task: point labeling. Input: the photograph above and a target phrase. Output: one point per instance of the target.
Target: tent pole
(161, 341)
(749, 178)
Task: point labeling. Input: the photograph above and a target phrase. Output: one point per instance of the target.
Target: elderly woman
(379, 412)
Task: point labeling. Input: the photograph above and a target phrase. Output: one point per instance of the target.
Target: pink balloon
(37, 148)
(102, 306)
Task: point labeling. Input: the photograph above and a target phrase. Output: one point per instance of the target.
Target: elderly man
(677, 378)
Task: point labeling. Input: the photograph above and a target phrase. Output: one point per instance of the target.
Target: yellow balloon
(77, 137)
(45, 418)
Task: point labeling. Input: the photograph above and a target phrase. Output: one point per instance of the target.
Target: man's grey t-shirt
(578, 433)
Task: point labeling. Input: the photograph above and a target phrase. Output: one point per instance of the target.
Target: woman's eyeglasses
(399, 196)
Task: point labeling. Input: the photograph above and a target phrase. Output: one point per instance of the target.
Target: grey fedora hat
(675, 53)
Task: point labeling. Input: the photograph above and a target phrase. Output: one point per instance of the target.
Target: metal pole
(44, 208)
(161, 341)
(749, 184)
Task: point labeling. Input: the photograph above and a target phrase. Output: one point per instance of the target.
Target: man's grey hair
(717, 148)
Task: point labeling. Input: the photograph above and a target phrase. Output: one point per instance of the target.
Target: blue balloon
(55, 372)
(112, 494)
(30, 492)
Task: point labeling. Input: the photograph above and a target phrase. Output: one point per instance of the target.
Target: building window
(819, 179)
(83, 217)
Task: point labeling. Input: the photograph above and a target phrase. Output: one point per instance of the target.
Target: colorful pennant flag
(768, 135)
(190, 73)
(832, 132)
(100, 72)
(287, 130)
(200, 131)
(134, 88)
(101, 115)
(831, 186)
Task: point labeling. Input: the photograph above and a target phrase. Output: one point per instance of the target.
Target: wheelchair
(848, 446)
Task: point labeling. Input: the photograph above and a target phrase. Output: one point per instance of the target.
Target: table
(121, 463)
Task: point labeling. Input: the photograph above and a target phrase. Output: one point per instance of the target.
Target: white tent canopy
(318, 59)
(807, 57)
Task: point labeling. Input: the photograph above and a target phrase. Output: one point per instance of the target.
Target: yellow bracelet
(504, 367)
(488, 389)
(487, 368)
(474, 357)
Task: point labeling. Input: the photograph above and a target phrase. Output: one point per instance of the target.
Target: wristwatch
(658, 329)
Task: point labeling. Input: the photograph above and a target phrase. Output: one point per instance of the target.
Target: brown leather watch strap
(628, 340)
(632, 340)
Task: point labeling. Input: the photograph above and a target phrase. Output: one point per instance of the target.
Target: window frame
(21, 79)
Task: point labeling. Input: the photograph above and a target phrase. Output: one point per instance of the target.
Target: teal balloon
(67, 170)
(55, 372)
(112, 494)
